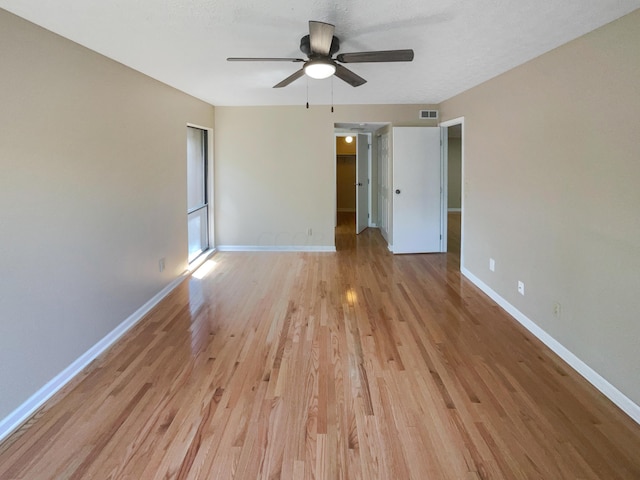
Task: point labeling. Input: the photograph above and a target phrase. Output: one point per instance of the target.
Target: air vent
(428, 114)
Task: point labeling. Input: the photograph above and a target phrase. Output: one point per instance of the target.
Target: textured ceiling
(184, 43)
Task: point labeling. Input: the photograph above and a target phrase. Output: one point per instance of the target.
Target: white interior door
(362, 182)
(416, 190)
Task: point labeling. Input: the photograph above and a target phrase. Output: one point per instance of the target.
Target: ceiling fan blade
(263, 59)
(381, 56)
(290, 79)
(320, 37)
(348, 76)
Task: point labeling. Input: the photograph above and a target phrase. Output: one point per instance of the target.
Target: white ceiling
(184, 43)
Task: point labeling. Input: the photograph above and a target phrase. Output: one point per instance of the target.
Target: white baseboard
(593, 377)
(16, 418)
(275, 248)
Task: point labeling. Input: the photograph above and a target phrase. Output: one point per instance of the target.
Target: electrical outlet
(520, 287)
(492, 265)
(557, 310)
(161, 264)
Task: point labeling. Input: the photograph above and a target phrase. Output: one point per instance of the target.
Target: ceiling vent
(428, 114)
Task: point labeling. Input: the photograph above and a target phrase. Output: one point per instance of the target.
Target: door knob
(359, 184)
(398, 191)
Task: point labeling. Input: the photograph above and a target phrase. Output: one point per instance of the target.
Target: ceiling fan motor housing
(305, 46)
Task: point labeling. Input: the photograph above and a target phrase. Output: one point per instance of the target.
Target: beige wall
(93, 193)
(454, 173)
(552, 185)
(270, 196)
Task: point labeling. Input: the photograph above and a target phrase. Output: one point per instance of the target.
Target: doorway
(345, 182)
(353, 166)
(346, 174)
(453, 144)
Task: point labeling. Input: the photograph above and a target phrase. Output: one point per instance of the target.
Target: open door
(362, 182)
(417, 193)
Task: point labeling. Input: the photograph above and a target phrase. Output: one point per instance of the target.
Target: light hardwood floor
(454, 220)
(355, 365)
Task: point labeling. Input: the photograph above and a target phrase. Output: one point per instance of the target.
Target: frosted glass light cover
(319, 69)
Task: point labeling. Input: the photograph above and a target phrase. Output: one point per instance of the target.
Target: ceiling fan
(319, 47)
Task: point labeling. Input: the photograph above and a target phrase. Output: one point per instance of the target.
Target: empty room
(319, 240)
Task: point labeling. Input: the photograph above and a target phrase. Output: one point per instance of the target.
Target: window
(197, 204)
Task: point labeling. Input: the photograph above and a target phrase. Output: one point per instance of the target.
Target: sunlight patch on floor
(204, 269)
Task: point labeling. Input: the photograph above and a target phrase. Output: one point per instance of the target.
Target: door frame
(366, 137)
(445, 137)
(335, 173)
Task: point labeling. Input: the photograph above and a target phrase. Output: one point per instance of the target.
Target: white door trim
(444, 188)
(362, 141)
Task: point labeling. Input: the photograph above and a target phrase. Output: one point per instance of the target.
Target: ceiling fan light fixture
(319, 69)
(319, 47)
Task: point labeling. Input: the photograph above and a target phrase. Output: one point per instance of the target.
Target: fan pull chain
(307, 93)
(332, 94)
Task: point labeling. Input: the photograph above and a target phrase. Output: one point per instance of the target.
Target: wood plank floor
(454, 220)
(353, 365)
